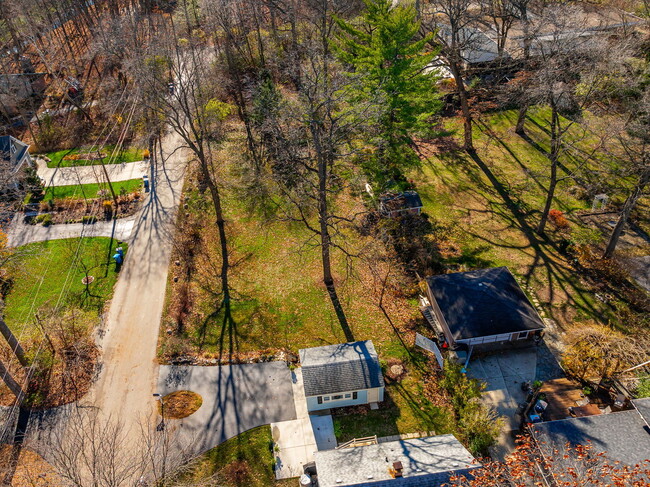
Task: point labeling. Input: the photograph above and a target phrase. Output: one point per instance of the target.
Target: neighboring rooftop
(425, 462)
(483, 303)
(340, 368)
(623, 436)
(643, 407)
(13, 151)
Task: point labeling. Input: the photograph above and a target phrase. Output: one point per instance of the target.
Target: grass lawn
(44, 271)
(490, 206)
(131, 154)
(89, 191)
(246, 459)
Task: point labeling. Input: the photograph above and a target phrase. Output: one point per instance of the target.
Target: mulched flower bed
(88, 211)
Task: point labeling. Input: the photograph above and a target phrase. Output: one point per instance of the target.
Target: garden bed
(83, 156)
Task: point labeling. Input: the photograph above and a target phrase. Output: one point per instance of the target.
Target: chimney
(396, 470)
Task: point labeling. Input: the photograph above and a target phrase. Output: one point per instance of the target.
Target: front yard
(83, 156)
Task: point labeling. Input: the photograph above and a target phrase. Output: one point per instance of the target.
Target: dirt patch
(180, 404)
(59, 378)
(30, 469)
(395, 370)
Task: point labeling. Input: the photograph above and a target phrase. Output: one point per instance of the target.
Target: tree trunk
(553, 156)
(13, 386)
(15, 346)
(629, 205)
(326, 241)
(521, 119)
(221, 226)
(468, 143)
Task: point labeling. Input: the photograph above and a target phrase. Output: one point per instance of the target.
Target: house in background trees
(347, 374)
(14, 154)
(480, 307)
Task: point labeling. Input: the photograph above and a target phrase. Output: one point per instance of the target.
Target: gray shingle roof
(425, 461)
(483, 303)
(622, 436)
(340, 368)
(643, 406)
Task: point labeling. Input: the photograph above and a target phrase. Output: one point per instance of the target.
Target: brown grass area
(31, 470)
(180, 404)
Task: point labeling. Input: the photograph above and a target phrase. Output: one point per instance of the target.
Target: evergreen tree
(387, 57)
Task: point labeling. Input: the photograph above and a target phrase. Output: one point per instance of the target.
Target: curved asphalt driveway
(236, 398)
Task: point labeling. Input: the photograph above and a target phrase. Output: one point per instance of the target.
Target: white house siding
(362, 398)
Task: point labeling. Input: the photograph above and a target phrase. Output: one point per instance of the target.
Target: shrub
(558, 219)
(88, 219)
(45, 219)
(47, 205)
(145, 154)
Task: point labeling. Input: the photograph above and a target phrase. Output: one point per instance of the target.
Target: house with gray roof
(622, 436)
(14, 152)
(485, 306)
(346, 374)
(425, 462)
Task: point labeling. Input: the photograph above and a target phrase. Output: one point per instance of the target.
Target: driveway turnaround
(236, 398)
(503, 374)
(67, 176)
(297, 440)
(21, 233)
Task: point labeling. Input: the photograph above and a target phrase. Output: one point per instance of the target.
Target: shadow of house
(429, 461)
(347, 374)
(622, 436)
(481, 307)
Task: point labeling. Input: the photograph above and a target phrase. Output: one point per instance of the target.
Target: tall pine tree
(387, 58)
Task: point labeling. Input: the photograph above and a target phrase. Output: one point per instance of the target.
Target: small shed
(398, 204)
(346, 374)
(481, 307)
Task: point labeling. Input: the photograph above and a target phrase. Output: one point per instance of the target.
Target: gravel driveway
(236, 398)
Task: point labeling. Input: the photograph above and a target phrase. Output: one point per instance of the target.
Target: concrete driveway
(297, 440)
(503, 373)
(236, 398)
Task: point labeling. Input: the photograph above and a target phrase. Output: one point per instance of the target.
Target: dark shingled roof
(340, 368)
(622, 436)
(16, 156)
(483, 303)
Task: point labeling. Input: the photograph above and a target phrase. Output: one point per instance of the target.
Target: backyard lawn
(49, 273)
(90, 191)
(58, 158)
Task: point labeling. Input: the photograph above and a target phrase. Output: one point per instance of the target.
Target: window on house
(326, 398)
(319, 399)
(348, 396)
(354, 395)
(522, 335)
(337, 397)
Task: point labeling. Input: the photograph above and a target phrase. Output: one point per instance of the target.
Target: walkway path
(21, 233)
(67, 176)
(297, 440)
(126, 383)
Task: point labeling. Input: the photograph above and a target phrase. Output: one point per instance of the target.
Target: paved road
(67, 176)
(130, 335)
(236, 398)
(20, 233)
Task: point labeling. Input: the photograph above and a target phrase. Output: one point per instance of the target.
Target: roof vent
(339, 481)
(369, 477)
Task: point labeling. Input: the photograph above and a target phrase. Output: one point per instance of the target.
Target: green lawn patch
(246, 459)
(57, 158)
(49, 273)
(90, 191)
